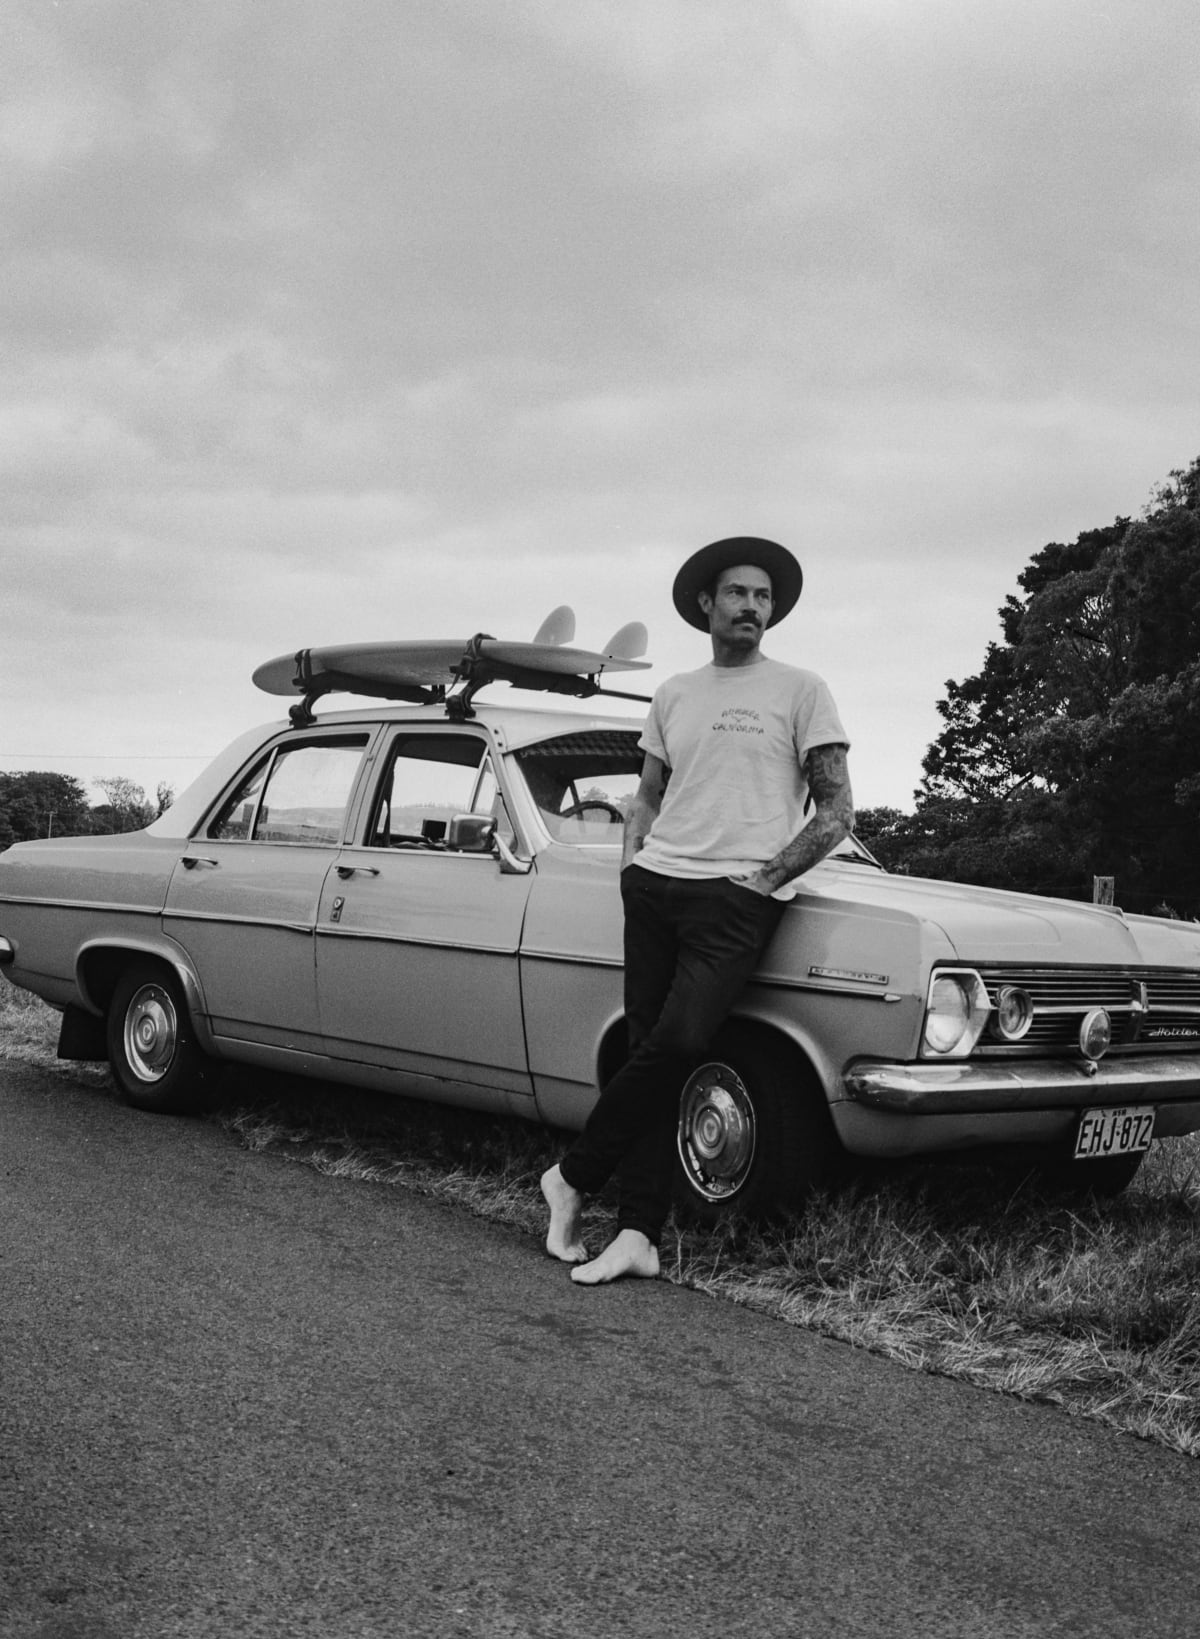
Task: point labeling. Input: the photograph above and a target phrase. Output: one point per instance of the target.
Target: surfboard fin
(629, 643)
(558, 626)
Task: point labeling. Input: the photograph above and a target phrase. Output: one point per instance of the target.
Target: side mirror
(479, 834)
(471, 834)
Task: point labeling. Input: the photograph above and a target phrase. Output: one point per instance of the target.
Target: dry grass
(1094, 1307)
(972, 1274)
(26, 1026)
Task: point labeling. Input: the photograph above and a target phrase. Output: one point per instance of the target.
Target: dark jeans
(690, 946)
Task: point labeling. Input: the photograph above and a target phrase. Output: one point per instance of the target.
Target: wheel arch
(100, 963)
(793, 1040)
(794, 1045)
(613, 1049)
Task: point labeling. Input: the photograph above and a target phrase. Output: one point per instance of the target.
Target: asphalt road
(240, 1399)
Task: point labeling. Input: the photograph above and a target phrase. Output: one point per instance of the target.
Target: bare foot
(630, 1254)
(563, 1240)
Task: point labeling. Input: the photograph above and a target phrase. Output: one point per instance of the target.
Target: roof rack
(451, 672)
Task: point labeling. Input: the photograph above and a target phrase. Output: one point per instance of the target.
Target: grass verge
(948, 1268)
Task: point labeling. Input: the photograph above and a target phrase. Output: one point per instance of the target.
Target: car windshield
(854, 850)
(583, 783)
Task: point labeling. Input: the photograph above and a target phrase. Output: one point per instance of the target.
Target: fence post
(1103, 888)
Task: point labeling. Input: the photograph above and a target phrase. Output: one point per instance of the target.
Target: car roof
(512, 726)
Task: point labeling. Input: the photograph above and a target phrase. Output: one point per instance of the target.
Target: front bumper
(976, 1088)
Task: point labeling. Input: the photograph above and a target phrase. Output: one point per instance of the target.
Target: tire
(754, 1135)
(151, 1045)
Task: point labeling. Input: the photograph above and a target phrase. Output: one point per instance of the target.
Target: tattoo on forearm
(829, 783)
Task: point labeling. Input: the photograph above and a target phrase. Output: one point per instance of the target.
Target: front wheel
(754, 1133)
(151, 1046)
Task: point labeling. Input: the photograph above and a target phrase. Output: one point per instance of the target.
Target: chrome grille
(1063, 995)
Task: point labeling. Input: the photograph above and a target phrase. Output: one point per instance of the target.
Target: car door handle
(190, 861)
(347, 871)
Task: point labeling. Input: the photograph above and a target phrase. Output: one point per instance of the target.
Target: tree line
(56, 805)
(1074, 752)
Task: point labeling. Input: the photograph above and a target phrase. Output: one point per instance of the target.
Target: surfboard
(420, 664)
(424, 669)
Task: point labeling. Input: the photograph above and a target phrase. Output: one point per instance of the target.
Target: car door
(243, 898)
(417, 943)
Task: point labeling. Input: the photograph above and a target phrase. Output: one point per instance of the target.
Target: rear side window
(584, 783)
(299, 794)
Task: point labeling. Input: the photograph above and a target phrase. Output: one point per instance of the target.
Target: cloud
(371, 318)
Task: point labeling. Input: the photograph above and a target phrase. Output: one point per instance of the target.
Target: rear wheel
(151, 1045)
(754, 1133)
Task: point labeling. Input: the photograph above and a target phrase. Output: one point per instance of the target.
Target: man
(713, 841)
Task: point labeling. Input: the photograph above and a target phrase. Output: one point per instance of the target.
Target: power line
(109, 756)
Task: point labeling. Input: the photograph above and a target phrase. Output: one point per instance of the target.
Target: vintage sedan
(424, 900)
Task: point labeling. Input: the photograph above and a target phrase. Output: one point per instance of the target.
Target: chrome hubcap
(151, 1031)
(717, 1131)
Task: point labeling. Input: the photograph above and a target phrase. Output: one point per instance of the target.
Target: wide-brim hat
(703, 567)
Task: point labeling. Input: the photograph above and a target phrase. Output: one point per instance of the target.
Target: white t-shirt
(735, 739)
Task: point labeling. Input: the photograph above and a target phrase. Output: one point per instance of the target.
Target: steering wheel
(615, 816)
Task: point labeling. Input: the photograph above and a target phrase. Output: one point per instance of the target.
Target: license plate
(1123, 1131)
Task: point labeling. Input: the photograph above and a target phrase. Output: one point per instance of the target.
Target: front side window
(299, 794)
(429, 778)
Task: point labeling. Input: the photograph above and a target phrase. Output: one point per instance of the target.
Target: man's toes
(625, 1256)
(577, 1253)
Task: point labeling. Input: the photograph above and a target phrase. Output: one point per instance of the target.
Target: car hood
(989, 924)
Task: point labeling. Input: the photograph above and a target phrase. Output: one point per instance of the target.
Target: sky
(328, 321)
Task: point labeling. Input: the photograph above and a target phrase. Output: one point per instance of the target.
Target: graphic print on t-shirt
(739, 720)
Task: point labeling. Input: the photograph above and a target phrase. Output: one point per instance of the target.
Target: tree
(1057, 649)
(1076, 748)
(876, 827)
(34, 804)
(996, 842)
(126, 808)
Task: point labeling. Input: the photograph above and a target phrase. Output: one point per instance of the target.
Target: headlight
(955, 1013)
(1013, 1013)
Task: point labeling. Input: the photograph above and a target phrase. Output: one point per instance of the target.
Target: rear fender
(101, 962)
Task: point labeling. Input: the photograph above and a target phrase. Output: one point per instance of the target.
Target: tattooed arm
(833, 820)
(645, 806)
